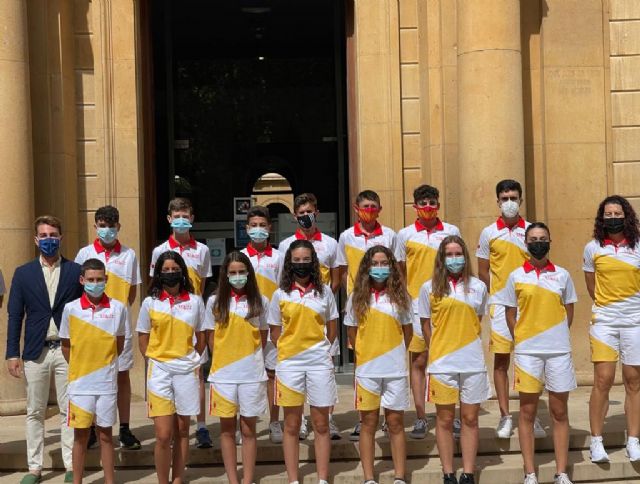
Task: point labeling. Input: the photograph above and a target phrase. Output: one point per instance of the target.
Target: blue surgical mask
(181, 225)
(49, 246)
(455, 263)
(258, 234)
(95, 289)
(379, 274)
(107, 234)
(238, 280)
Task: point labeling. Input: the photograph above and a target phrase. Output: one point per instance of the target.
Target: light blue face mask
(181, 225)
(379, 274)
(238, 280)
(107, 234)
(454, 263)
(95, 289)
(258, 234)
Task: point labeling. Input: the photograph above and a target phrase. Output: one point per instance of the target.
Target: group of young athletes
(271, 332)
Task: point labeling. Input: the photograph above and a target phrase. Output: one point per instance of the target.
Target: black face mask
(302, 269)
(170, 279)
(538, 249)
(614, 225)
(306, 221)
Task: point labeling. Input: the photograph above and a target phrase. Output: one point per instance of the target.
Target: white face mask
(510, 208)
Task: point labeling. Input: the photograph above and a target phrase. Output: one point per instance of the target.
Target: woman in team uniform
(450, 306)
(301, 309)
(379, 317)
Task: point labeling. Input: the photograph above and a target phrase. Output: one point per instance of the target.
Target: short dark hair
(368, 195)
(258, 211)
(92, 265)
(107, 214)
(303, 199)
(508, 185)
(536, 225)
(178, 204)
(425, 191)
(48, 220)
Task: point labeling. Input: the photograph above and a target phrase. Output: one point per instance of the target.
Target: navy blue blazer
(29, 296)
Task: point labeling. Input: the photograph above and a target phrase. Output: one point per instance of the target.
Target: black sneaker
(203, 439)
(355, 435)
(467, 478)
(128, 440)
(449, 479)
(92, 443)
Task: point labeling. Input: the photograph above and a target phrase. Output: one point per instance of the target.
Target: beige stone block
(480, 30)
(373, 88)
(430, 10)
(85, 87)
(38, 36)
(446, 178)
(626, 144)
(572, 31)
(625, 73)
(626, 179)
(124, 98)
(82, 18)
(625, 108)
(435, 103)
(84, 48)
(635, 203)
(410, 115)
(567, 163)
(40, 113)
(450, 103)
(412, 179)
(574, 104)
(131, 214)
(408, 12)
(123, 30)
(86, 152)
(530, 34)
(408, 45)
(409, 214)
(411, 151)
(410, 80)
(624, 9)
(62, 107)
(532, 103)
(535, 183)
(374, 150)
(372, 27)
(624, 37)
(436, 168)
(449, 31)
(42, 183)
(91, 192)
(86, 122)
(127, 163)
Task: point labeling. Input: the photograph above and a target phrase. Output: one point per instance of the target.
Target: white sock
(596, 438)
(632, 440)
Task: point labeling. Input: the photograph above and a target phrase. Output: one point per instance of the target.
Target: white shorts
(226, 399)
(169, 393)
(389, 393)
(84, 409)
(451, 388)
(501, 341)
(319, 386)
(534, 373)
(611, 343)
(270, 355)
(125, 359)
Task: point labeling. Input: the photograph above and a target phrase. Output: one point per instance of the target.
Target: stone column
(490, 111)
(16, 178)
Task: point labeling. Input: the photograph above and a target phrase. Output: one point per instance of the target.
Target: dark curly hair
(155, 288)
(287, 278)
(631, 231)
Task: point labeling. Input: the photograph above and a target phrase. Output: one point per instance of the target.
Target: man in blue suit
(39, 291)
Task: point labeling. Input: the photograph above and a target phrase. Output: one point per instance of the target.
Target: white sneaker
(530, 479)
(505, 427)
(538, 430)
(275, 432)
(304, 430)
(457, 428)
(596, 450)
(323, 481)
(562, 478)
(633, 449)
(334, 431)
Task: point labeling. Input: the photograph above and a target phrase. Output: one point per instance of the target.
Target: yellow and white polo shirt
(92, 332)
(505, 249)
(617, 274)
(266, 265)
(303, 315)
(353, 243)
(380, 349)
(171, 324)
(540, 296)
(237, 345)
(326, 248)
(455, 345)
(123, 269)
(195, 254)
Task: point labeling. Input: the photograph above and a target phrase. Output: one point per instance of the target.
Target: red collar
(268, 251)
(611, 242)
(236, 296)
(86, 304)
(454, 281)
(183, 296)
(502, 225)
(357, 230)
(437, 226)
(317, 235)
(173, 243)
(97, 245)
(528, 267)
(304, 291)
(377, 293)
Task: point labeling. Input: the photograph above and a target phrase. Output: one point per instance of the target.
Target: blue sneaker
(203, 439)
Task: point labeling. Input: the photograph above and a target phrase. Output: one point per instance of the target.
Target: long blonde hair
(440, 278)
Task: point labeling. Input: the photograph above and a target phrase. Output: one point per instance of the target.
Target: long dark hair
(155, 288)
(631, 231)
(440, 279)
(223, 297)
(287, 278)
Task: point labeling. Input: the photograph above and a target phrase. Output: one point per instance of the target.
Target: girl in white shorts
(539, 298)
(238, 377)
(301, 309)
(168, 319)
(450, 306)
(379, 317)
